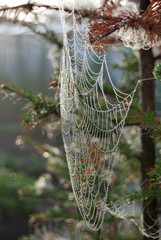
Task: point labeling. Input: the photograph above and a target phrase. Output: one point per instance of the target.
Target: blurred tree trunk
(148, 146)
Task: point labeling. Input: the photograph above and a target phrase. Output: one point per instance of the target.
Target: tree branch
(30, 7)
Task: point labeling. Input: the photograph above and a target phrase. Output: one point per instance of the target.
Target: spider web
(93, 116)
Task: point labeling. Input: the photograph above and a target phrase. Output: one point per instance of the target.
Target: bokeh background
(33, 173)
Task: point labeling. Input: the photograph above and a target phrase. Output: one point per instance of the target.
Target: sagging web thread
(92, 125)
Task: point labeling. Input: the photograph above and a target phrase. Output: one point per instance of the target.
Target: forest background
(34, 172)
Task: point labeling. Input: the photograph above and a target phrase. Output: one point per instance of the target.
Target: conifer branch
(38, 107)
(49, 35)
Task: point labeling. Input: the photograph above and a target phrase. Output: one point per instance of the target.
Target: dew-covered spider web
(93, 113)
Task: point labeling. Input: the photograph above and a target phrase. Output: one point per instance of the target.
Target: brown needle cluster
(113, 17)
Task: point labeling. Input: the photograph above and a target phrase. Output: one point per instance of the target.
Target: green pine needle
(38, 107)
(157, 72)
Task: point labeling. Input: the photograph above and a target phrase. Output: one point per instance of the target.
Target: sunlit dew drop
(71, 196)
(19, 140)
(50, 135)
(45, 154)
(57, 208)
